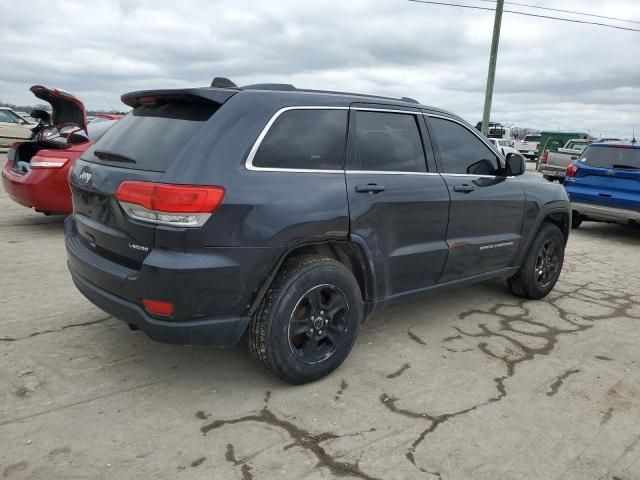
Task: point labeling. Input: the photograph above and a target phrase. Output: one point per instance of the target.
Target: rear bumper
(210, 289)
(45, 190)
(552, 170)
(528, 154)
(220, 332)
(607, 214)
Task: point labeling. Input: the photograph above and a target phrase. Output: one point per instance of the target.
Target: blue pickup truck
(604, 184)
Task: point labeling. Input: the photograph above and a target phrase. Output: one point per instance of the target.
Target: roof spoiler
(186, 95)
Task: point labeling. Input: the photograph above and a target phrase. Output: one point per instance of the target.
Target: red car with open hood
(36, 171)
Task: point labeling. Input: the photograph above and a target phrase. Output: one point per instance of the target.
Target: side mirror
(516, 164)
(481, 167)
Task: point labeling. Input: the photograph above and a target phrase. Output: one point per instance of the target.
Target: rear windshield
(611, 157)
(577, 146)
(98, 129)
(532, 138)
(151, 136)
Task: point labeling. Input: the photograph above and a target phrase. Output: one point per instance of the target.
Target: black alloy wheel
(547, 263)
(318, 323)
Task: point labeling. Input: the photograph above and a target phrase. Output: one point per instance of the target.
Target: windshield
(612, 157)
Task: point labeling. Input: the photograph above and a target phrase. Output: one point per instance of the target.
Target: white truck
(502, 145)
(553, 165)
(528, 146)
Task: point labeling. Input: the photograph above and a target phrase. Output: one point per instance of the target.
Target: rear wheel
(542, 265)
(308, 320)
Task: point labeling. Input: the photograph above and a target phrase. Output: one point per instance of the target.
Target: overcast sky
(550, 74)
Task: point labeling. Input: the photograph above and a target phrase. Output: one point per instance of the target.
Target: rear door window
(611, 157)
(387, 142)
(151, 136)
(308, 139)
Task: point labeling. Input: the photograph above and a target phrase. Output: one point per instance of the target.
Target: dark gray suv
(290, 215)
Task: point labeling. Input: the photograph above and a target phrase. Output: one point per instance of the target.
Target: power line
(563, 11)
(431, 2)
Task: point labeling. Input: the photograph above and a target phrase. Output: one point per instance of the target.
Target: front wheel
(308, 320)
(541, 268)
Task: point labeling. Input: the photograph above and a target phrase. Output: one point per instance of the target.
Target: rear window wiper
(112, 157)
(627, 167)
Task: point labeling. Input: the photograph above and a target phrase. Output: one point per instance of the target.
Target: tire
(549, 178)
(528, 282)
(306, 286)
(576, 220)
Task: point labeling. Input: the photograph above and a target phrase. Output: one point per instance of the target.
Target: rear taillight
(178, 205)
(571, 170)
(545, 155)
(48, 162)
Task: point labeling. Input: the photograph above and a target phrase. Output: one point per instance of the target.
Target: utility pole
(488, 96)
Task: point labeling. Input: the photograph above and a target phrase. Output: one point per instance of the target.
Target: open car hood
(67, 109)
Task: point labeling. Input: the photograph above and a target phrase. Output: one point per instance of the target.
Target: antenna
(110, 105)
(633, 139)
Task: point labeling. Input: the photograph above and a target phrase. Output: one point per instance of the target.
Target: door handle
(463, 188)
(370, 188)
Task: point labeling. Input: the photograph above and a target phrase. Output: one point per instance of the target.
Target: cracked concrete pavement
(471, 383)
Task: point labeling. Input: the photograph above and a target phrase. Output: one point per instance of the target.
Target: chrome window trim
(389, 172)
(254, 149)
(468, 175)
(385, 110)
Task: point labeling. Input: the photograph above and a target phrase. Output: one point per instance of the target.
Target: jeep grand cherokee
(291, 215)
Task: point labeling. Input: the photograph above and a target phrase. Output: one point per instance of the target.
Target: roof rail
(287, 87)
(270, 86)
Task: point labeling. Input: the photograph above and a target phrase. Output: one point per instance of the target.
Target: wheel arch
(560, 217)
(351, 253)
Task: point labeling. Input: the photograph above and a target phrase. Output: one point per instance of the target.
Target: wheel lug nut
(312, 317)
(319, 332)
(321, 312)
(326, 321)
